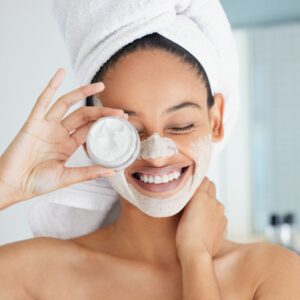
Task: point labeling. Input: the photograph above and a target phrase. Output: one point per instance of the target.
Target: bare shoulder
(270, 257)
(37, 247)
(275, 270)
(31, 257)
(280, 273)
(26, 253)
(262, 252)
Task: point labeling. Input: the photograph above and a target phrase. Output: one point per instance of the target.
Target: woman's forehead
(145, 79)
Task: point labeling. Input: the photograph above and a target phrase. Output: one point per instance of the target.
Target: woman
(184, 256)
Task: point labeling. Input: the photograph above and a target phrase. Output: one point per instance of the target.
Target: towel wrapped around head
(94, 30)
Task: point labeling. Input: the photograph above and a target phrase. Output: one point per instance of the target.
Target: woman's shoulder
(262, 254)
(31, 253)
(265, 250)
(34, 246)
(22, 262)
(273, 270)
(254, 248)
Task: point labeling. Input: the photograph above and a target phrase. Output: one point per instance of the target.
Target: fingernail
(98, 85)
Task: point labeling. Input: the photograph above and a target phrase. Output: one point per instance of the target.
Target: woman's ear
(216, 118)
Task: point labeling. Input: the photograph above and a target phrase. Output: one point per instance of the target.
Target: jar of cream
(113, 142)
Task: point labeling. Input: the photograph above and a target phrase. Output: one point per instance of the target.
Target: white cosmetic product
(113, 142)
(153, 147)
(200, 153)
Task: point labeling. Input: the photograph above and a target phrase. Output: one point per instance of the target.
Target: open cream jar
(113, 142)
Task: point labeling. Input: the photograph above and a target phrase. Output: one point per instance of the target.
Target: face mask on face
(154, 147)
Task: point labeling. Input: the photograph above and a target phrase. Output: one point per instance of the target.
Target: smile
(162, 180)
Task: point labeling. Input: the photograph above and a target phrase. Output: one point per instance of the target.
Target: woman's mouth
(162, 182)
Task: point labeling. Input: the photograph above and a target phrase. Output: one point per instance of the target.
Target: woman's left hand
(202, 225)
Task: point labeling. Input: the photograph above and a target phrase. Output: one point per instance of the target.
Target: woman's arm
(25, 266)
(199, 280)
(280, 274)
(6, 197)
(34, 163)
(199, 236)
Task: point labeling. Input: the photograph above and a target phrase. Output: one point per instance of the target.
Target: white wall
(32, 50)
(236, 157)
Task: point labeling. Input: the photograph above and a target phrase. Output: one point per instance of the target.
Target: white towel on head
(94, 30)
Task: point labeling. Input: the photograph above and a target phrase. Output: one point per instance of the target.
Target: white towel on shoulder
(77, 209)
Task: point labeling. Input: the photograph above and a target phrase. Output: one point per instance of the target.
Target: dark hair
(154, 41)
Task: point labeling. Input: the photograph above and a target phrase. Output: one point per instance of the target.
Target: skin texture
(139, 257)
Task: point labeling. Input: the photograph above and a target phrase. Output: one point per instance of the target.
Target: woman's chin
(161, 190)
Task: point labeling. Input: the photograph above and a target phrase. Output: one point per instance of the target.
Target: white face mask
(155, 147)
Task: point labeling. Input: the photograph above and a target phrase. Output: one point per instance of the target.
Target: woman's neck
(144, 237)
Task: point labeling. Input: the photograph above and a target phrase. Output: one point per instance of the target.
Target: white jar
(113, 143)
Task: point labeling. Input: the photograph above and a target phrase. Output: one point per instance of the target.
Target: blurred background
(256, 176)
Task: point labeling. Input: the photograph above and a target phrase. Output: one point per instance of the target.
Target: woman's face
(164, 95)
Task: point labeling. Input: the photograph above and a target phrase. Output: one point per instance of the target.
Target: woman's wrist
(199, 278)
(192, 253)
(195, 258)
(7, 195)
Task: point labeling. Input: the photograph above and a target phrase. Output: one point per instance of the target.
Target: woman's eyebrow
(182, 105)
(170, 109)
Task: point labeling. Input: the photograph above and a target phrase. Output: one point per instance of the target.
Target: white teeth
(157, 179)
(160, 179)
(177, 174)
(145, 178)
(165, 179)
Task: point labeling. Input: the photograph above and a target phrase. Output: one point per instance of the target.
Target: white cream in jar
(113, 142)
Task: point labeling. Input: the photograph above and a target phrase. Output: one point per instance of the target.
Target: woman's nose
(158, 161)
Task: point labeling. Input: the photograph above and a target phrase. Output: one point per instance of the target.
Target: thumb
(74, 175)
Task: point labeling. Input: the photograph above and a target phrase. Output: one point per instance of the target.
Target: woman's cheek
(191, 145)
(186, 142)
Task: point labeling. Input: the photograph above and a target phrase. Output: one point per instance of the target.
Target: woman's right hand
(34, 162)
(202, 226)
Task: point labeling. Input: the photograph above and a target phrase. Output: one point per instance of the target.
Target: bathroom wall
(31, 51)
(274, 111)
(245, 13)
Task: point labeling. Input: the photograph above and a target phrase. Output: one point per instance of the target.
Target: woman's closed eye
(185, 128)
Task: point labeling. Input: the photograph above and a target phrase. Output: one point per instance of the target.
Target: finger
(61, 106)
(86, 114)
(74, 175)
(203, 187)
(204, 184)
(79, 136)
(40, 108)
(212, 189)
(225, 228)
(222, 227)
(225, 231)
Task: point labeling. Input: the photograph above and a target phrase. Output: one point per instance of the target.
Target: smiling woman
(169, 240)
(154, 93)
